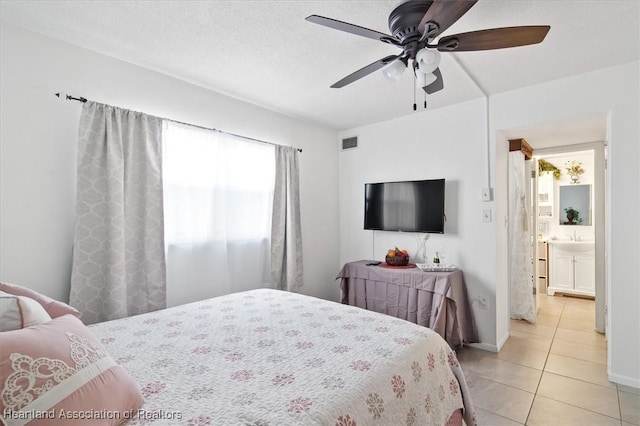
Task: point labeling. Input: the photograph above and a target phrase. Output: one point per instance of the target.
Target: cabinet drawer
(542, 250)
(542, 284)
(542, 268)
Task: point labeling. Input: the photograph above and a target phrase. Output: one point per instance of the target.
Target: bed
(267, 357)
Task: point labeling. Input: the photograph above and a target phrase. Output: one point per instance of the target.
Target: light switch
(486, 194)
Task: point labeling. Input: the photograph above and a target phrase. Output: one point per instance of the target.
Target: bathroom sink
(573, 246)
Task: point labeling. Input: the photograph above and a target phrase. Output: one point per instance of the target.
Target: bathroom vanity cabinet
(572, 268)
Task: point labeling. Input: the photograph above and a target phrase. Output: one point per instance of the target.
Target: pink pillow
(17, 312)
(60, 370)
(53, 307)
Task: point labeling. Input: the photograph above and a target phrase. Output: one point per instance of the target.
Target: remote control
(374, 263)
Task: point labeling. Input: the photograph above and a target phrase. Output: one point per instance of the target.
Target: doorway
(576, 132)
(587, 133)
(569, 214)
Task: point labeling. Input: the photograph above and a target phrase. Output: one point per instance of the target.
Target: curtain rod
(83, 100)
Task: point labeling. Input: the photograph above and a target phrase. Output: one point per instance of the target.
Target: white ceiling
(566, 132)
(264, 52)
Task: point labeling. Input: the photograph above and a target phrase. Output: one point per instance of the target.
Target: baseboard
(502, 341)
(625, 380)
(484, 347)
(489, 347)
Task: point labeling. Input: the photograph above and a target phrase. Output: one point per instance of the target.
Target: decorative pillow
(53, 307)
(17, 312)
(58, 373)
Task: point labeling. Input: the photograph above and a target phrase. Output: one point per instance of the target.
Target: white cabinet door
(570, 272)
(562, 267)
(585, 269)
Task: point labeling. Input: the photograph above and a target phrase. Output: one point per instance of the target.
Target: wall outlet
(483, 303)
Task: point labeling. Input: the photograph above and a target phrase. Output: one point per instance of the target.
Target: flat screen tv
(410, 206)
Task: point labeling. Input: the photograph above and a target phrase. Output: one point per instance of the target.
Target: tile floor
(550, 373)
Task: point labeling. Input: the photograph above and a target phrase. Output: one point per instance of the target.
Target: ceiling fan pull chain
(415, 106)
(425, 99)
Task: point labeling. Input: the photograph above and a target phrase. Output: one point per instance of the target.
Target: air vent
(350, 143)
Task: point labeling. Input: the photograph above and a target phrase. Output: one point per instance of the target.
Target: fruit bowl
(397, 260)
(397, 257)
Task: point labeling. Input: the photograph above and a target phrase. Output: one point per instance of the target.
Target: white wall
(38, 147)
(614, 91)
(447, 143)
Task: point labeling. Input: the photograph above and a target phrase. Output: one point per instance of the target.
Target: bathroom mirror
(575, 205)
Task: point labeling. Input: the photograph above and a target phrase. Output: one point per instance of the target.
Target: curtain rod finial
(79, 99)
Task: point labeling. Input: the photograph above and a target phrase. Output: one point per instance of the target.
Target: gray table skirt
(437, 300)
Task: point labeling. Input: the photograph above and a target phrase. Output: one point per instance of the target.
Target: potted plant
(573, 216)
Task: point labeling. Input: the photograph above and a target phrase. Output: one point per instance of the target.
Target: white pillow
(18, 312)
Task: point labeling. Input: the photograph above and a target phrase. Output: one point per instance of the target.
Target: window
(218, 200)
(217, 187)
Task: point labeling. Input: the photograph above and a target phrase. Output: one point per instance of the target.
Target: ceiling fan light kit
(394, 70)
(427, 60)
(414, 25)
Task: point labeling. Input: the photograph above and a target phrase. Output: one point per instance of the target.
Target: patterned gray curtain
(286, 236)
(118, 255)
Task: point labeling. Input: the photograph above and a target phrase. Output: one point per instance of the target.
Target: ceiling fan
(415, 24)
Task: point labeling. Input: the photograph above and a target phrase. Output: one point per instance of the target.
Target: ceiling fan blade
(445, 13)
(365, 71)
(436, 85)
(352, 29)
(495, 38)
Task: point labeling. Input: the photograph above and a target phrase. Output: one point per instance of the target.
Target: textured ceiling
(264, 52)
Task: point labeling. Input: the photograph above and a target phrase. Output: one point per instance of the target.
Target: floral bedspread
(267, 357)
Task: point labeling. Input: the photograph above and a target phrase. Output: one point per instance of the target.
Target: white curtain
(286, 235)
(218, 197)
(522, 299)
(118, 255)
